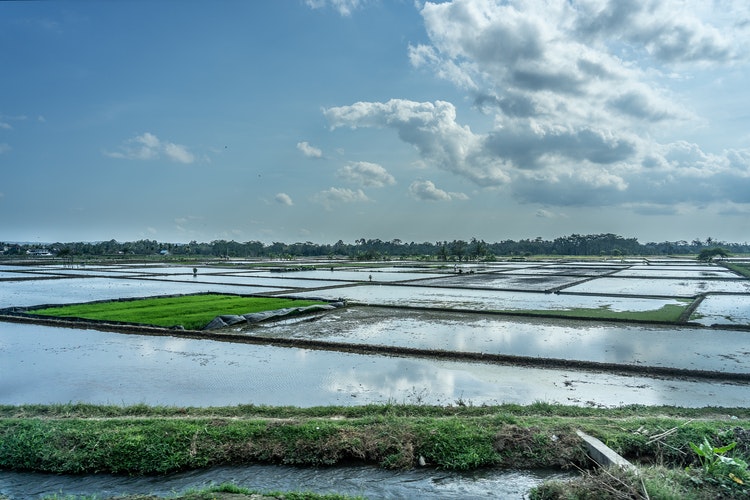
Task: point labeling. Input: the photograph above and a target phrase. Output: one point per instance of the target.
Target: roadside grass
(189, 311)
(669, 313)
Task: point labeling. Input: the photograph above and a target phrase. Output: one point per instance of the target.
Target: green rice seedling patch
(190, 311)
(668, 313)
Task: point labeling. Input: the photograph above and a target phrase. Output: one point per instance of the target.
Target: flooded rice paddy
(429, 308)
(453, 314)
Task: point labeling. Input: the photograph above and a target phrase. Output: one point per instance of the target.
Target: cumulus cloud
(335, 196)
(578, 92)
(149, 147)
(366, 174)
(671, 31)
(308, 150)
(432, 129)
(283, 199)
(427, 191)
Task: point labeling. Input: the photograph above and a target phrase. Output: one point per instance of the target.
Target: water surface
(44, 365)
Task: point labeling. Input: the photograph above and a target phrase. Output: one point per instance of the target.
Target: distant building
(39, 252)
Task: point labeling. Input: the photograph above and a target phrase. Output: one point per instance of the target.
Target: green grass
(743, 269)
(190, 311)
(155, 440)
(669, 313)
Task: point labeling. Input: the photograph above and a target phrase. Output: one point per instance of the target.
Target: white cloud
(4, 147)
(344, 7)
(670, 31)
(283, 199)
(579, 92)
(427, 191)
(178, 153)
(6, 126)
(149, 147)
(432, 129)
(366, 174)
(308, 150)
(334, 196)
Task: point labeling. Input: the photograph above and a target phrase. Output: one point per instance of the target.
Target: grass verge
(155, 440)
(190, 311)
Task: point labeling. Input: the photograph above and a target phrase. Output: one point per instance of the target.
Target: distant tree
(708, 254)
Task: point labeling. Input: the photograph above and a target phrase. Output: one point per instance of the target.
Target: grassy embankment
(156, 440)
(743, 269)
(190, 311)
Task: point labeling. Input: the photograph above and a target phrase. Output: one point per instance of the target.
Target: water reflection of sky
(483, 300)
(695, 349)
(53, 365)
(692, 273)
(533, 282)
(73, 290)
(362, 275)
(668, 287)
(723, 310)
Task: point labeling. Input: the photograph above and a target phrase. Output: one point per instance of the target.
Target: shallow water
(724, 310)
(43, 365)
(100, 367)
(483, 300)
(73, 290)
(369, 482)
(685, 348)
(670, 287)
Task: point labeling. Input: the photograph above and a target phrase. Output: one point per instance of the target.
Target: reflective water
(671, 287)
(724, 310)
(101, 367)
(55, 365)
(531, 282)
(483, 300)
(687, 348)
(73, 290)
(377, 275)
(369, 482)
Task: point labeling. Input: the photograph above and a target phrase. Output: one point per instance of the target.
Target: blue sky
(320, 120)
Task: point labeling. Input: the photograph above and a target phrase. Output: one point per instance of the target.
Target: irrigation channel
(369, 482)
(412, 333)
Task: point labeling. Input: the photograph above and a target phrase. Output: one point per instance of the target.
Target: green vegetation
(154, 440)
(743, 269)
(669, 313)
(190, 311)
(600, 245)
(708, 254)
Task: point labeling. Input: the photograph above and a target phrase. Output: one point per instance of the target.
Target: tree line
(376, 249)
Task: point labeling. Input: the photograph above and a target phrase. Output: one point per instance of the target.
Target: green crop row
(189, 311)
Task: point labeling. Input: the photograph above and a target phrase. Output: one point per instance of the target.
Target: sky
(327, 120)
